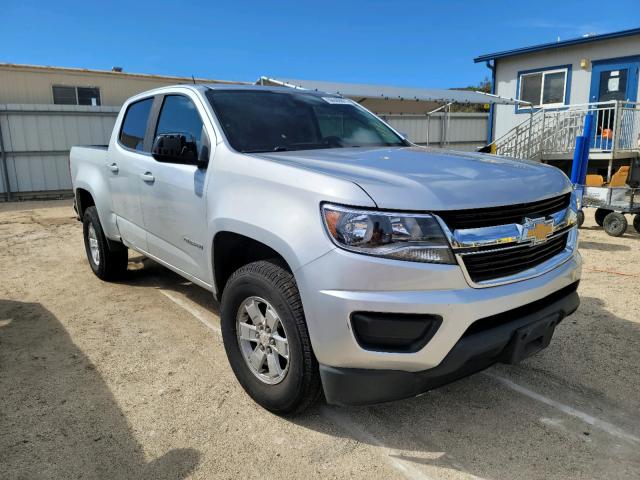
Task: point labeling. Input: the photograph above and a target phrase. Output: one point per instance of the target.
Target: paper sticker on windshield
(337, 100)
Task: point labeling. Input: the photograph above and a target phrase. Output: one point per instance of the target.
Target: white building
(557, 80)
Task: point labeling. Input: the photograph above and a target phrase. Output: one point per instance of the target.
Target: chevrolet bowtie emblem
(536, 230)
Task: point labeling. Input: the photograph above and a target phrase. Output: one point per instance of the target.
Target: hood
(417, 178)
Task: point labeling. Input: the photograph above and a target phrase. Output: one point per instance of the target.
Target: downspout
(5, 169)
(492, 106)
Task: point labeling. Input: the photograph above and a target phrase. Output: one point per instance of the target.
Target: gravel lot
(130, 380)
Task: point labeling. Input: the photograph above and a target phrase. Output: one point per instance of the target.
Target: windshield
(267, 121)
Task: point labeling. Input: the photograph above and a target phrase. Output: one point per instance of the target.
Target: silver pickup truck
(345, 259)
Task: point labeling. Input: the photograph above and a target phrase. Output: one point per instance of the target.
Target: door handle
(113, 167)
(147, 177)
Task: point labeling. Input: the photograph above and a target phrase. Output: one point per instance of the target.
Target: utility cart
(613, 198)
(612, 203)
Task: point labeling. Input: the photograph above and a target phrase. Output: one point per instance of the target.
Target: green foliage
(483, 86)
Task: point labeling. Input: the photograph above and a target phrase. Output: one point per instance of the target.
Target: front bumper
(476, 350)
(339, 283)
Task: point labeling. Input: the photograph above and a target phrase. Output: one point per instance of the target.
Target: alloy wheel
(262, 340)
(93, 244)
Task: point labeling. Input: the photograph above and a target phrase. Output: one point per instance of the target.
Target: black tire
(636, 222)
(580, 218)
(615, 224)
(112, 261)
(600, 214)
(300, 387)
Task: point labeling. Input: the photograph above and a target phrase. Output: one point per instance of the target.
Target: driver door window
(180, 115)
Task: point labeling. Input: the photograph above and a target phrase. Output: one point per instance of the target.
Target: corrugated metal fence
(36, 139)
(458, 131)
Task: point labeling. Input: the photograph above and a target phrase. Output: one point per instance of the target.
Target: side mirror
(175, 148)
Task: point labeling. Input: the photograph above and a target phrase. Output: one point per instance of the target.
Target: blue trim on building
(565, 43)
(567, 92)
(620, 63)
(492, 106)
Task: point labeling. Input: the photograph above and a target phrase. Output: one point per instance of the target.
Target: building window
(76, 95)
(547, 88)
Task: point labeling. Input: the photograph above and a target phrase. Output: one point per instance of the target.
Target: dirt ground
(130, 380)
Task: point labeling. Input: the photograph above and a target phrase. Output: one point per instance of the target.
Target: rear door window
(134, 124)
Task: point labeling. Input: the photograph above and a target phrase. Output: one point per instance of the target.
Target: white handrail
(554, 130)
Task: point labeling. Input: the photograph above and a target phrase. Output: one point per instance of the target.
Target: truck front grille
(490, 217)
(500, 263)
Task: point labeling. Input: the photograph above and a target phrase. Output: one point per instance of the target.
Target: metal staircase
(549, 134)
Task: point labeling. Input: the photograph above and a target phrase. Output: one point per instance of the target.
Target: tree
(483, 86)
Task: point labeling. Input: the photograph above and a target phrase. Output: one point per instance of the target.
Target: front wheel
(266, 338)
(615, 224)
(636, 222)
(580, 218)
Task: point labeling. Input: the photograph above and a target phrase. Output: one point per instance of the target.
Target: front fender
(269, 238)
(277, 205)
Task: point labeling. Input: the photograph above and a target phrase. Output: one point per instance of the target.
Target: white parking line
(394, 457)
(200, 313)
(345, 422)
(585, 417)
(342, 420)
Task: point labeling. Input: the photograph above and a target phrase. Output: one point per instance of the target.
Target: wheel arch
(231, 250)
(92, 190)
(84, 200)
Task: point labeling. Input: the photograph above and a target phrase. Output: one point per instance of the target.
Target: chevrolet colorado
(345, 259)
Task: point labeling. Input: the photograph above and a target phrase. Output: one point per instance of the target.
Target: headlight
(402, 236)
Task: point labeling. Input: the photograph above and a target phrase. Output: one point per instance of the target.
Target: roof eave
(92, 71)
(547, 46)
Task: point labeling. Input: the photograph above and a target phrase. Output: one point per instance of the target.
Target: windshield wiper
(282, 148)
(265, 150)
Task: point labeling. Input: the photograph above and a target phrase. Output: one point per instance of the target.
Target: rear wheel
(107, 262)
(266, 338)
(600, 214)
(615, 224)
(636, 222)
(580, 218)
